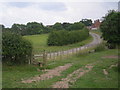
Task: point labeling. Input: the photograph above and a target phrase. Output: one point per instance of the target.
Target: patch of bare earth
(71, 78)
(105, 72)
(50, 74)
(112, 56)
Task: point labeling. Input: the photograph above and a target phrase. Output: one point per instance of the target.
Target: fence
(58, 55)
(63, 54)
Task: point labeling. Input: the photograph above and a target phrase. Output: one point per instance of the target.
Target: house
(96, 25)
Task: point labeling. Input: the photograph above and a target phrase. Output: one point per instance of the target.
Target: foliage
(39, 43)
(86, 22)
(66, 25)
(60, 38)
(12, 75)
(57, 26)
(100, 47)
(110, 28)
(16, 50)
(76, 26)
(33, 28)
(18, 29)
(30, 29)
(2, 26)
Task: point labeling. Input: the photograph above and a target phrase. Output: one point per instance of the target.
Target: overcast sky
(51, 12)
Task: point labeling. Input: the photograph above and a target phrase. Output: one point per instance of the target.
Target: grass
(0, 75)
(12, 75)
(96, 78)
(97, 32)
(39, 43)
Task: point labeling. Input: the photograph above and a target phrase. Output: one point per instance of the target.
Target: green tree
(57, 26)
(34, 28)
(18, 29)
(110, 28)
(2, 26)
(15, 49)
(86, 22)
(66, 25)
(63, 37)
(76, 26)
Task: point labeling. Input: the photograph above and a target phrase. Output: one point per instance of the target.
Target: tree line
(17, 50)
(32, 28)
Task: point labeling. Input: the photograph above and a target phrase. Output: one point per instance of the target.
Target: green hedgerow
(15, 49)
(62, 37)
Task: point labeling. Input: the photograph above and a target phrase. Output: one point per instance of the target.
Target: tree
(34, 28)
(76, 26)
(15, 49)
(2, 26)
(110, 28)
(86, 22)
(63, 37)
(66, 25)
(57, 26)
(18, 29)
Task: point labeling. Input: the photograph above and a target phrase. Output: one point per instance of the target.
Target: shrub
(62, 37)
(100, 47)
(16, 50)
(110, 28)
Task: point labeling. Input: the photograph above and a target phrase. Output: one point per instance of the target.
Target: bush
(62, 37)
(100, 47)
(110, 29)
(16, 50)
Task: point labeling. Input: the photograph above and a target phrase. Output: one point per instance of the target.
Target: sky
(51, 12)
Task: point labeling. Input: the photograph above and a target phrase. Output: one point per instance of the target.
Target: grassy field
(97, 32)
(12, 75)
(40, 43)
(0, 74)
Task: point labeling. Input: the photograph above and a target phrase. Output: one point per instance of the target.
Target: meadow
(97, 32)
(96, 78)
(13, 75)
(39, 43)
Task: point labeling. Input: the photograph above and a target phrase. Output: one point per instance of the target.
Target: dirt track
(49, 74)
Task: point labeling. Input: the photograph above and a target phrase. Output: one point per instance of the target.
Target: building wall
(96, 24)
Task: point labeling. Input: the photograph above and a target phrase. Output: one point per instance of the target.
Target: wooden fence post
(57, 54)
(50, 54)
(60, 54)
(44, 58)
(53, 55)
(63, 54)
(76, 50)
(72, 51)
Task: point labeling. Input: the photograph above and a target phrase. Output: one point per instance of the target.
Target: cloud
(52, 6)
(51, 12)
(18, 4)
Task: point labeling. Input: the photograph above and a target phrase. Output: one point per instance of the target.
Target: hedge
(15, 49)
(62, 37)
